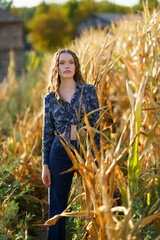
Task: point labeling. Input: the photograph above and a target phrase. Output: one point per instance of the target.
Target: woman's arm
(47, 139)
(93, 118)
(47, 131)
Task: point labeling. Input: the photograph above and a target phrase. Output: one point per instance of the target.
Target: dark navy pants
(59, 161)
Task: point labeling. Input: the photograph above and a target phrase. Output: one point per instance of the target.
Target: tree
(48, 30)
(25, 13)
(69, 9)
(149, 1)
(85, 9)
(42, 8)
(5, 4)
(151, 5)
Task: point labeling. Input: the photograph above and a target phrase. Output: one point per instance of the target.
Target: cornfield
(123, 64)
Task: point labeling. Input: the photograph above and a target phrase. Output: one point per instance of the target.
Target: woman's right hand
(46, 176)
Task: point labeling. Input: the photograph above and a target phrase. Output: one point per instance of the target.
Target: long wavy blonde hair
(54, 77)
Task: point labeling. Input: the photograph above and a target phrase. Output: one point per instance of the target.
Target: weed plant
(15, 216)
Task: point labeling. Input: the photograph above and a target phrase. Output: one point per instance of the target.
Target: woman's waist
(61, 138)
(68, 132)
(69, 129)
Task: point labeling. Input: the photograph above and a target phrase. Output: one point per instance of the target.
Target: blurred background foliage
(67, 16)
(5, 4)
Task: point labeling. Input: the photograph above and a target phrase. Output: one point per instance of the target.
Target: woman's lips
(67, 71)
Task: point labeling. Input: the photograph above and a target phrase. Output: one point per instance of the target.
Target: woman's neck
(66, 85)
(67, 90)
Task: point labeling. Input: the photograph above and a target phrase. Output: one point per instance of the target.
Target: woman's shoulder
(49, 96)
(88, 87)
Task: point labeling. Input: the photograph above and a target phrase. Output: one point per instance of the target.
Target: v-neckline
(71, 97)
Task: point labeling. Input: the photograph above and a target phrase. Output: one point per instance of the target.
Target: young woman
(63, 113)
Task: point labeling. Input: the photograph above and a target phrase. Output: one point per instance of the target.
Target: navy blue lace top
(58, 115)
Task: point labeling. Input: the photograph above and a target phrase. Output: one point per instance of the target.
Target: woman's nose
(67, 65)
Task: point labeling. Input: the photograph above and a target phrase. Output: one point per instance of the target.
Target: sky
(31, 3)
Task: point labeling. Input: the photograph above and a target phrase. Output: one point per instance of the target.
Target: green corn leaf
(134, 163)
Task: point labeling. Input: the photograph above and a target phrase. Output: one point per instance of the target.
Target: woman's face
(66, 66)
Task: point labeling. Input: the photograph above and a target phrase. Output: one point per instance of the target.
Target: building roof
(109, 16)
(7, 17)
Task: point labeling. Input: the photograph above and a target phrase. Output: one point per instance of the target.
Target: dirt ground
(41, 233)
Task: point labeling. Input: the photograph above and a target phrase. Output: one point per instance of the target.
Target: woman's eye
(62, 63)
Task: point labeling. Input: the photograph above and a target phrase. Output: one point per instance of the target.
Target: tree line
(49, 26)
